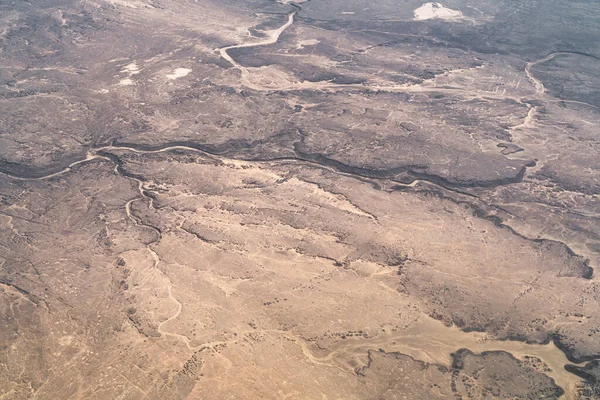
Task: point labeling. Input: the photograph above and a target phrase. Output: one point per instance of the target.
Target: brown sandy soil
(261, 199)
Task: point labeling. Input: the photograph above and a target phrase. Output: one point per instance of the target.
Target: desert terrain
(230, 199)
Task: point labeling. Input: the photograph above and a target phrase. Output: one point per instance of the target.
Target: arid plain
(299, 200)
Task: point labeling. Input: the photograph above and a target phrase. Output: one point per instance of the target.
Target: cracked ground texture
(313, 200)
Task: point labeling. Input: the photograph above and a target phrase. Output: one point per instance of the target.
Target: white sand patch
(125, 82)
(131, 69)
(309, 42)
(436, 10)
(269, 76)
(179, 73)
(347, 13)
(124, 3)
(132, 3)
(65, 340)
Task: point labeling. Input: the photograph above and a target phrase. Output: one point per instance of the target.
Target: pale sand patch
(179, 73)
(436, 10)
(65, 340)
(132, 3)
(269, 76)
(124, 3)
(125, 82)
(131, 69)
(309, 42)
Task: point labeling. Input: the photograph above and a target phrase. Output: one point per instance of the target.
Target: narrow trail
(528, 121)
(431, 341)
(539, 86)
(101, 153)
(540, 91)
(156, 259)
(173, 317)
(386, 183)
(90, 156)
(274, 35)
(272, 38)
(425, 339)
